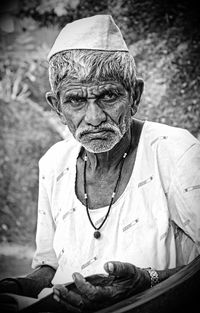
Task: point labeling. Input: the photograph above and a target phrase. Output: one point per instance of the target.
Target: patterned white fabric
(154, 223)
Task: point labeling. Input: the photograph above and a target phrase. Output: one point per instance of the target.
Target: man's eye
(108, 96)
(76, 101)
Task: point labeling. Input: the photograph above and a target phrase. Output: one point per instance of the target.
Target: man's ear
(55, 105)
(139, 87)
(53, 102)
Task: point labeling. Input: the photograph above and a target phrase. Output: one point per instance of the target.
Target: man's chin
(99, 146)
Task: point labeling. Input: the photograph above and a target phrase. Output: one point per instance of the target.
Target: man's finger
(68, 296)
(84, 287)
(94, 293)
(69, 307)
(120, 269)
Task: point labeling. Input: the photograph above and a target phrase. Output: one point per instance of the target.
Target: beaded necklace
(97, 233)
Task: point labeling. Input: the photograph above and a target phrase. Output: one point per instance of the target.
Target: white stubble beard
(99, 146)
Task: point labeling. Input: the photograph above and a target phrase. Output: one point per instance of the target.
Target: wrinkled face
(98, 114)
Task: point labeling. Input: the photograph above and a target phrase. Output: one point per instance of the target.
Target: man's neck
(108, 161)
(103, 170)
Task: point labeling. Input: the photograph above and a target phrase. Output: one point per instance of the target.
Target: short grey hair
(88, 65)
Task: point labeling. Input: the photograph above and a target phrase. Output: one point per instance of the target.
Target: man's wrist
(154, 277)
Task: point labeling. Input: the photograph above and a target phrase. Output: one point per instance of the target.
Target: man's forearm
(43, 275)
(30, 285)
(40, 279)
(164, 274)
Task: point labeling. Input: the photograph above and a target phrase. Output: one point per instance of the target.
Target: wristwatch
(153, 275)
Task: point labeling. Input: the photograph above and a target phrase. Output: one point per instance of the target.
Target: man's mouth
(96, 132)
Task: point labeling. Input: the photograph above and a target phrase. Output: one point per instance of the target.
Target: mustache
(104, 127)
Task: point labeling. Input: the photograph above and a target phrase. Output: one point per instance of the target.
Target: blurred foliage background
(163, 36)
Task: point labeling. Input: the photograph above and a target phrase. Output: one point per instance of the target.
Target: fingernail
(56, 298)
(74, 276)
(110, 267)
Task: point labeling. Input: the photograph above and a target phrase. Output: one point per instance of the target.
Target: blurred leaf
(7, 23)
(60, 9)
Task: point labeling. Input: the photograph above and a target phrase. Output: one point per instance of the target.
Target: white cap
(98, 32)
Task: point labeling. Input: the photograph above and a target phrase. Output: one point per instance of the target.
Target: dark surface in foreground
(179, 293)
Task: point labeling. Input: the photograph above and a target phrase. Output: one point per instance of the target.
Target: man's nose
(94, 114)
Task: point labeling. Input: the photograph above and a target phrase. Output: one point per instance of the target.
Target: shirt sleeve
(184, 194)
(45, 254)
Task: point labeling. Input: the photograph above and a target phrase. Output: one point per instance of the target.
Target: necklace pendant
(97, 234)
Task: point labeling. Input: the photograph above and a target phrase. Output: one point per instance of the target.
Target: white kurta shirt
(154, 223)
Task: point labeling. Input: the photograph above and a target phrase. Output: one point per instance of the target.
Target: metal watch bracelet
(153, 275)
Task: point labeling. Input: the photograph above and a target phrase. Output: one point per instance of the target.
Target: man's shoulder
(62, 146)
(156, 131)
(167, 138)
(60, 152)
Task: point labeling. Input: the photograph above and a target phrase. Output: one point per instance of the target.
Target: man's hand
(98, 291)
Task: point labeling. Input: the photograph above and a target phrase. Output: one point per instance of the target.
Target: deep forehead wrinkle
(91, 89)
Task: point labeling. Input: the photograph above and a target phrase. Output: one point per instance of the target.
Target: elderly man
(121, 196)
